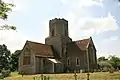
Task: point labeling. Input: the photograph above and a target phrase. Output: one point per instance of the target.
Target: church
(59, 54)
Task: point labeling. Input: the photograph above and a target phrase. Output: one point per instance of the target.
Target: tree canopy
(111, 61)
(14, 60)
(115, 61)
(5, 9)
(4, 57)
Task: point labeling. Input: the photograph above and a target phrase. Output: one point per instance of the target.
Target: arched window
(77, 62)
(65, 32)
(68, 61)
(53, 34)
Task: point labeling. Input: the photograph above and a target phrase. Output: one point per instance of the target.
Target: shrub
(5, 73)
(111, 70)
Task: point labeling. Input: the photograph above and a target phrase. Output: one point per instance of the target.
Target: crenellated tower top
(58, 26)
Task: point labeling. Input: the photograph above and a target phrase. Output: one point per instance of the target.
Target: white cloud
(98, 25)
(81, 3)
(81, 22)
(88, 26)
(112, 38)
(14, 40)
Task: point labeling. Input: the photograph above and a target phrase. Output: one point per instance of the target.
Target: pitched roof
(17, 52)
(40, 49)
(83, 44)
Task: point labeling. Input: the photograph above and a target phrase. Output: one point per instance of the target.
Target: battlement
(58, 20)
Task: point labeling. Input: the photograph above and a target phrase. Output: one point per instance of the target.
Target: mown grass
(80, 76)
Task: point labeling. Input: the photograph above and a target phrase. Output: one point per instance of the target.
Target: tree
(5, 8)
(4, 57)
(104, 64)
(14, 60)
(102, 58)
(115, 61)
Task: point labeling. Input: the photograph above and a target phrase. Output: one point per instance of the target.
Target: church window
(77, 62)
(68, 61)
(53, 32)
(26, 58)
(65, 32)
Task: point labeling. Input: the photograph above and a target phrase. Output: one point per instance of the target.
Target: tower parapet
(56, 20)
(58, 26)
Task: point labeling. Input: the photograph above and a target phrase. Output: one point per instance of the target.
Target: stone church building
(59, 54)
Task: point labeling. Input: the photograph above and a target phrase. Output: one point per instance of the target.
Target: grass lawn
(80, 76)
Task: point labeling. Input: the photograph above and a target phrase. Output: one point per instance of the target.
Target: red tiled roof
(82, 44)
(40, 49)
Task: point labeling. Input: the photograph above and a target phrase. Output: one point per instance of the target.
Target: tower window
(68, 61)
(65, 33)
(53, 32)
(77, 62)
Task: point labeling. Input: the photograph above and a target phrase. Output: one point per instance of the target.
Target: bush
(111, 70)
(1, 76)
(105, 69)
(5, 73)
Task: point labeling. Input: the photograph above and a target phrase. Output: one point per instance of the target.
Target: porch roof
(54, 60)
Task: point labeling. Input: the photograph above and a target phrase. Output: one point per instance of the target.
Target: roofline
(45, 56)
(82, 39)
(38, 43)
(34, 42)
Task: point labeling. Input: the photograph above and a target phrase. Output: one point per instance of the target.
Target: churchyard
(80, 76)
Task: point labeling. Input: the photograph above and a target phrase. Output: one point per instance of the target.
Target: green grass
(80, 76)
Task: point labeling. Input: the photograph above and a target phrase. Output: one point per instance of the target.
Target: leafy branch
(5, 8)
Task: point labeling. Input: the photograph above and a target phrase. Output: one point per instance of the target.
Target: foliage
(5, 8)
(102, 58)
(115, 61)
(104, 64)
(4, 57)
(111, 61)
(8, 60)
(5, 73)
(7, 27)
(14, 60)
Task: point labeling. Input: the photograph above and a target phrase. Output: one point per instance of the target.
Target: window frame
(53, 32)
(68, 61)
(26, 55)
(77, 61)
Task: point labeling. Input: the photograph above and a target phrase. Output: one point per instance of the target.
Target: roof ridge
(81, 39)
(36, 42)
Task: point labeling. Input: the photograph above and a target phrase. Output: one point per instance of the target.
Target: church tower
(58, 35)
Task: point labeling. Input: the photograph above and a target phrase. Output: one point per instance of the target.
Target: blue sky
(97, 18)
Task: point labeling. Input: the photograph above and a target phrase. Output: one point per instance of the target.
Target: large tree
(14, 60)
(102, 59)
(115, 61)
(4, 57)
(5, 9)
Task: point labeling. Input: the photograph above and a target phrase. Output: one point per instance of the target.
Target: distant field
(80, 76)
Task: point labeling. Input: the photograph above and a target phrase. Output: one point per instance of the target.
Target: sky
(99, 19)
